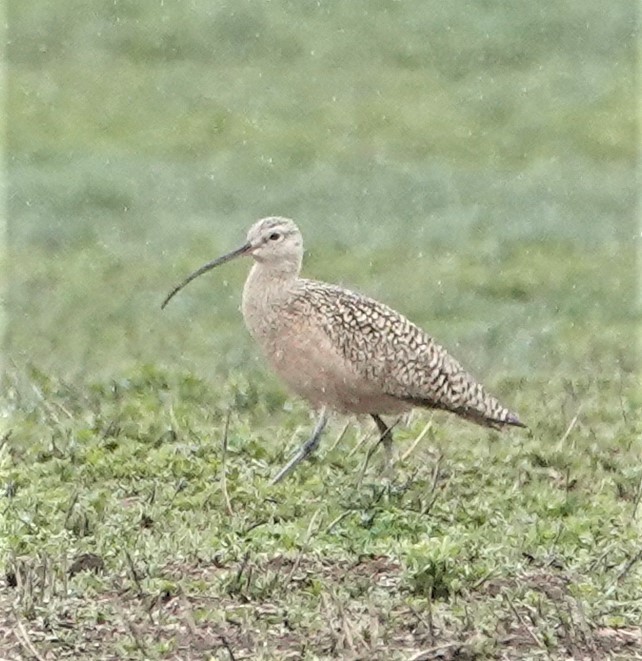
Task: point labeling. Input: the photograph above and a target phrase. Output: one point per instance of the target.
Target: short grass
(139, 523)
(473, 165)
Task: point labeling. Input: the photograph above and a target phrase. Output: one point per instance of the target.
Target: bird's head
(274, 242)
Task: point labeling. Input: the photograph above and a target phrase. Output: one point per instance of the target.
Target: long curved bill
(205, 268)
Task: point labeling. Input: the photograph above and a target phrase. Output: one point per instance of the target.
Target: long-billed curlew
(341, 350)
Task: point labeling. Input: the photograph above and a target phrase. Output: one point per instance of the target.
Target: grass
(473, 166)
(474, 545)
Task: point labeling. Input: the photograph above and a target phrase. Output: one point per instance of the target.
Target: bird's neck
(266, 276)
(266, 290)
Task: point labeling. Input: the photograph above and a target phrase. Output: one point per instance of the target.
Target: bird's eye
(275, 236)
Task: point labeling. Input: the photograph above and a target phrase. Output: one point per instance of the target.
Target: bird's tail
(505, 418)
(481, 408)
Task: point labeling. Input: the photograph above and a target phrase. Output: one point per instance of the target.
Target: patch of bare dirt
(261, 606)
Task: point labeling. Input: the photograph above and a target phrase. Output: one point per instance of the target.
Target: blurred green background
(471, 164)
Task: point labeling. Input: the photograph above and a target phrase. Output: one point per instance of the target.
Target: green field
(472, 165)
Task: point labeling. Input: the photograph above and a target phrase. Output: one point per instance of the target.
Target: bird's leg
(306, 449)
(385, 435)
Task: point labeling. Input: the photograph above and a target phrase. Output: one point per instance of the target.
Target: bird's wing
(394, 354)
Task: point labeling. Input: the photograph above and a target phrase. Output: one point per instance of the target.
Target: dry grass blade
(524, 623)
(25, 639)
(636, 501)
(631, 562)
(340, 437)
(415, 443)
(304, 546)
(226, 497)
(228, 648)
(432, 494)
(431, 652)
(359, 443)
(569, 429)
(335, 522)
(134, 575)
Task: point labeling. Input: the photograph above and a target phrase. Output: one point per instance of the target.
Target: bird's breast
(306, 360)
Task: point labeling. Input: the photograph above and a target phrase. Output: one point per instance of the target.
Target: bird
(342, 351)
